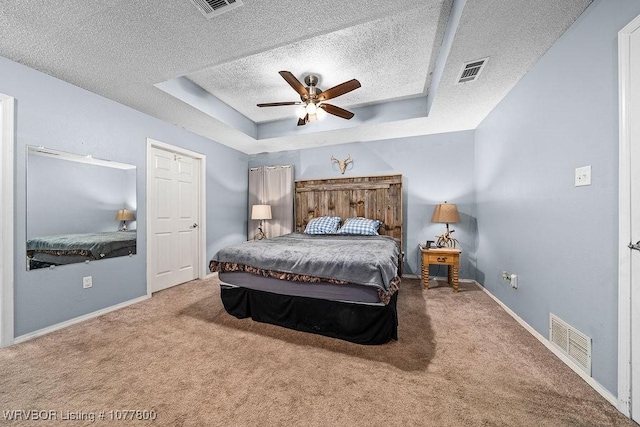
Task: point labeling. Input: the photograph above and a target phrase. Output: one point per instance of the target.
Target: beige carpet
(460, 361)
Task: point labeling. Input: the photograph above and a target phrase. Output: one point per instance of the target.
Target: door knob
(636, 246)
(194, 225)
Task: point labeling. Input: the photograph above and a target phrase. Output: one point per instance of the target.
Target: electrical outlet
(87, 282)
(514, 281)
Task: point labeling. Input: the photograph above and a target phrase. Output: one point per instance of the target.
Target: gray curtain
(272, 185)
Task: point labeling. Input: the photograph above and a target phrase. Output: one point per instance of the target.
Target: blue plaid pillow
(368, 227)
(323, 225)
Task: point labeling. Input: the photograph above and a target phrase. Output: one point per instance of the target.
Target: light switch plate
(583, 176)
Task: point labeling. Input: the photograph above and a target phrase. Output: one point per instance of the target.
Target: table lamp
(260, 212)
(124, 215)
(446, 213)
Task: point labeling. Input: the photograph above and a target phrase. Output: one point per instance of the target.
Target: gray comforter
(96, 245)
(364, 260)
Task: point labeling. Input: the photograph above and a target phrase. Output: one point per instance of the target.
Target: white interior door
(629, 224)
(634, 133)
(173, 229)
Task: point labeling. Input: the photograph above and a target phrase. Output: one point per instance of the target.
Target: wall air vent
(471, 70)
(571, 342)
(211, 8)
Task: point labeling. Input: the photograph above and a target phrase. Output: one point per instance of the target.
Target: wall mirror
(79, 209)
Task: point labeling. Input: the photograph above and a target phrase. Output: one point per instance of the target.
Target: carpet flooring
(460, 361)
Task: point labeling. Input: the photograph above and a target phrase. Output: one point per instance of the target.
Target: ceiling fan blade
(341, 89)
(295, 84)
(278, 104)
(302, 122)
(337, 111)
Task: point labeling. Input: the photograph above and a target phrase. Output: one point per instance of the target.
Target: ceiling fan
(313, 99)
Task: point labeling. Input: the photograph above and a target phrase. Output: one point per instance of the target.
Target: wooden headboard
(374, 197)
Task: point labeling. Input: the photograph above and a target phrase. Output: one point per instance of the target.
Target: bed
(343, 286)
(64, 249)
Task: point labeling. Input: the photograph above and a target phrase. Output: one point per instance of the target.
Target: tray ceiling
(130, 51)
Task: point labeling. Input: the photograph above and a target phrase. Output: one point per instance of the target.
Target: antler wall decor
(342, 164)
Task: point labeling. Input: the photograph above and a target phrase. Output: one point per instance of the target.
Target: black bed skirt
(358, 323)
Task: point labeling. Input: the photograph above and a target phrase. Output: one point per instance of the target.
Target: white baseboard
(589, 380)
(44, 331)
(210, 275)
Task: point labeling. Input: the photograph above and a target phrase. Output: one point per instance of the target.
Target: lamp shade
(261, 212)
(446, 213)
(125, 215)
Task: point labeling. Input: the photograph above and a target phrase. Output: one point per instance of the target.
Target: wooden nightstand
(441, 256)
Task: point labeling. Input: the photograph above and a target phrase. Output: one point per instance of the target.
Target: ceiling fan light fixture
(312, 117)
(301, 112)
(311, 108)
(321, 114)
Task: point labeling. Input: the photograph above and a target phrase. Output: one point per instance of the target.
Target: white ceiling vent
(571, 342)
(211, 8)
(471, 70)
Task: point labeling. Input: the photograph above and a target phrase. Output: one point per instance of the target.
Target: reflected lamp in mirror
(124, 215)
(446, 213)
(260, 212)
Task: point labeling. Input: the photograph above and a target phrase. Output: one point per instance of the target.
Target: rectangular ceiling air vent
(211, 8)
(471, 70)
(571, 342)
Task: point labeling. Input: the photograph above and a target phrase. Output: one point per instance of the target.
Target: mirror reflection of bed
(79, 209)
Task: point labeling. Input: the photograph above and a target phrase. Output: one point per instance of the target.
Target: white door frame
(624, 221)
(202, 206)
(7, 194)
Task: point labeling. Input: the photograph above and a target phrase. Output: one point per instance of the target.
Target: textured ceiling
(390, 56)
(121, 49)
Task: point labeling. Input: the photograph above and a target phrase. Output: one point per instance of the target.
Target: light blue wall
(61, 116)
(532, 220)
(65, 196)
(435, 168)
